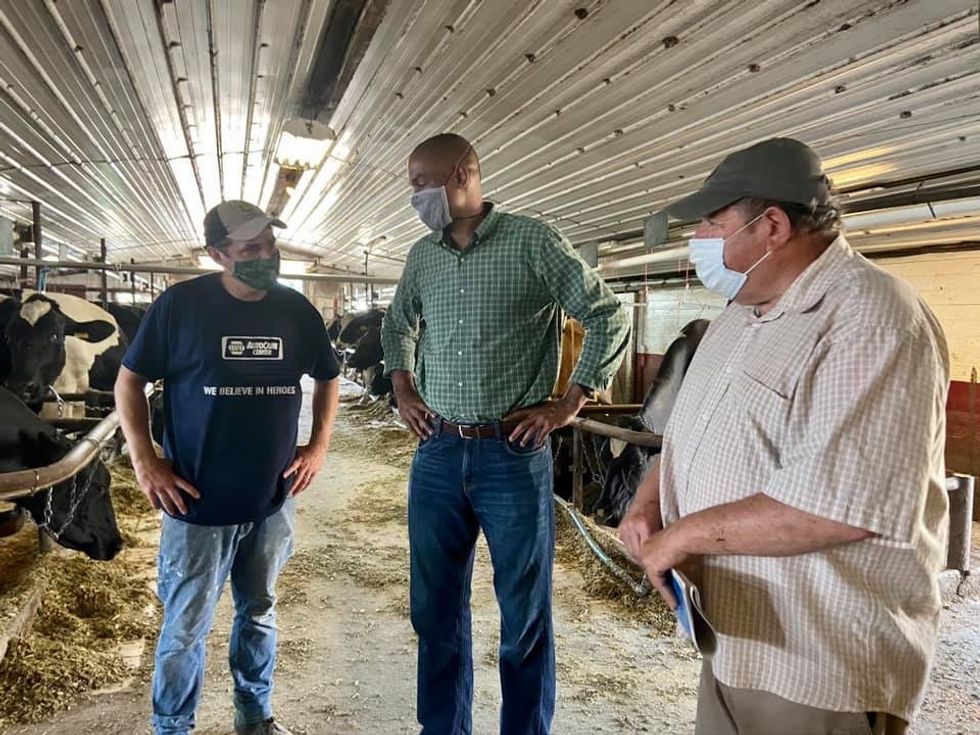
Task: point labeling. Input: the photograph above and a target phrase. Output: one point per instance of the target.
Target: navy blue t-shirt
(231, 372)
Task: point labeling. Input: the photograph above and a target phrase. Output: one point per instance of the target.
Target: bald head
(447, 150)
(448, 160)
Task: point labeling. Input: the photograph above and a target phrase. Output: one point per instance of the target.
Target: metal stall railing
(26, 483)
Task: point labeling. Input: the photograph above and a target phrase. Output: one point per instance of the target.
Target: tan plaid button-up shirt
(832, 403)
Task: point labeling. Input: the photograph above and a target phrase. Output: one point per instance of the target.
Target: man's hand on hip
(161, 486)
(536, 423)
(306, 466)
(411, 407)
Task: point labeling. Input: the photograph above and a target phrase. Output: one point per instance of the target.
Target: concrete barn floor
(347, 650)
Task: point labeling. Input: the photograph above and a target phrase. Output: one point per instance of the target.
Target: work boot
(269, 727)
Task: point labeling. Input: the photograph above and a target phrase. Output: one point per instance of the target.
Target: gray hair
(819, 219)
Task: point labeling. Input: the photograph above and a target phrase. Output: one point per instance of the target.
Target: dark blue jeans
(458, 487)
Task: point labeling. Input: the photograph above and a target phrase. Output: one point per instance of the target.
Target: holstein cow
(128, 317)
(622, 472)
(358, 337)
(8, 307)
(64, 342)
(78, 512)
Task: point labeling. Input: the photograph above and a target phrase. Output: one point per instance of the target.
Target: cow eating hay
(87, 610)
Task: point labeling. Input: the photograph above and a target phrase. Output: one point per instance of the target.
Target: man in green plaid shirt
(471, 341)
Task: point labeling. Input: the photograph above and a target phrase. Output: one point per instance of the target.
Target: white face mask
(432, 206)
(708, 256)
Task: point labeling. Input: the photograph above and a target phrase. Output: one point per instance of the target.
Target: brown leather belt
(480, 431)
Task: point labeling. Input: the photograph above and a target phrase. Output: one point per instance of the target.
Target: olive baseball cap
(235, 220)
(778, 169)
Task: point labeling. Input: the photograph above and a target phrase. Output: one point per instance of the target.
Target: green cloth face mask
(261, 273)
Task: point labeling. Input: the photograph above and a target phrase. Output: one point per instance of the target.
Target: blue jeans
(457, 487)
(193, 565)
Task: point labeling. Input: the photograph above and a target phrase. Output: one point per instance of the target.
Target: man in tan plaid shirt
(801, 484)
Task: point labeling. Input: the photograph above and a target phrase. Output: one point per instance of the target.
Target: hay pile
(88, 609)
(18, 556)
(601, 584)
(134, 514)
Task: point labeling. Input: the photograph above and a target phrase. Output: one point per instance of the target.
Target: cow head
(35, 337)
(91, 526)
(359, 325)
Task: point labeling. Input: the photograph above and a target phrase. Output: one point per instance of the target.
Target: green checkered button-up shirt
(481, 328)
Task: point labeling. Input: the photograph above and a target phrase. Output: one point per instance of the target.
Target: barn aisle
(347, 649)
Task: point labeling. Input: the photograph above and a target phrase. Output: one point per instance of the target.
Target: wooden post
(103, 274)
(38, 253)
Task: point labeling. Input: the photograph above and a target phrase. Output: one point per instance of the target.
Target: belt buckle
(459, 428)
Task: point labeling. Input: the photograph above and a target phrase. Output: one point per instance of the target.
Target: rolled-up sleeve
(866, 431)
(585, 297)
(400, 329)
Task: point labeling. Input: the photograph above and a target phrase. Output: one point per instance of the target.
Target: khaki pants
(724, 710)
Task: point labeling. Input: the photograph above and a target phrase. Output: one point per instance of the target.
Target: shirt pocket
(764, 416)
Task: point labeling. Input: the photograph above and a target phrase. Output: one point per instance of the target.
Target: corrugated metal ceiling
(129, 118)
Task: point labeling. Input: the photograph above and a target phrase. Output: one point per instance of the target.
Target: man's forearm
(134, 414)
(403, 382)
(326, 399)
(760, 526)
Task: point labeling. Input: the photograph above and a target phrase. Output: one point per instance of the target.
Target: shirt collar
(490, 220)
(810, 287)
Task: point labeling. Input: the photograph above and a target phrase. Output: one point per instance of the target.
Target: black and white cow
(26, 442)
(8, 308)
(357, 339)
(128, 317)
(623, 471)
(64, 342)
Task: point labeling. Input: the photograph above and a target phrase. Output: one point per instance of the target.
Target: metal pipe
(639, 588)
(38, 253)
(184, 271)
(24, 483)
(22, 261)
(104, 276)
(639, 438)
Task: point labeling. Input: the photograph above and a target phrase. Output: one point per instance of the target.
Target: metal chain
(597, 475)
(75, 499)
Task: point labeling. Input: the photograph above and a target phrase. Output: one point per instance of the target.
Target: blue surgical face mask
(432, 206)
(708, 256)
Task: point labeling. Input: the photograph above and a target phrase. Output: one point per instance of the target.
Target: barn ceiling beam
(184, 271)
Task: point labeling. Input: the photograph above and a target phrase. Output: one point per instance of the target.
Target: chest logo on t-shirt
(251, 348)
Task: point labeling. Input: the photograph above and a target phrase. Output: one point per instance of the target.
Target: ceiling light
(303, 144)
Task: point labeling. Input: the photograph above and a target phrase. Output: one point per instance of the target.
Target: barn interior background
(123, 121)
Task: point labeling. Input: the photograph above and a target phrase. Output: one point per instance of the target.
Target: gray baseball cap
(778, 169)
(236, 220)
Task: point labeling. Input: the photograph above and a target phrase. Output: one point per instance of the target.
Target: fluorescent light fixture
(303, 144)
(269, 187)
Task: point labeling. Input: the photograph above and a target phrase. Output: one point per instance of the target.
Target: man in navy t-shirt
(231, 348)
